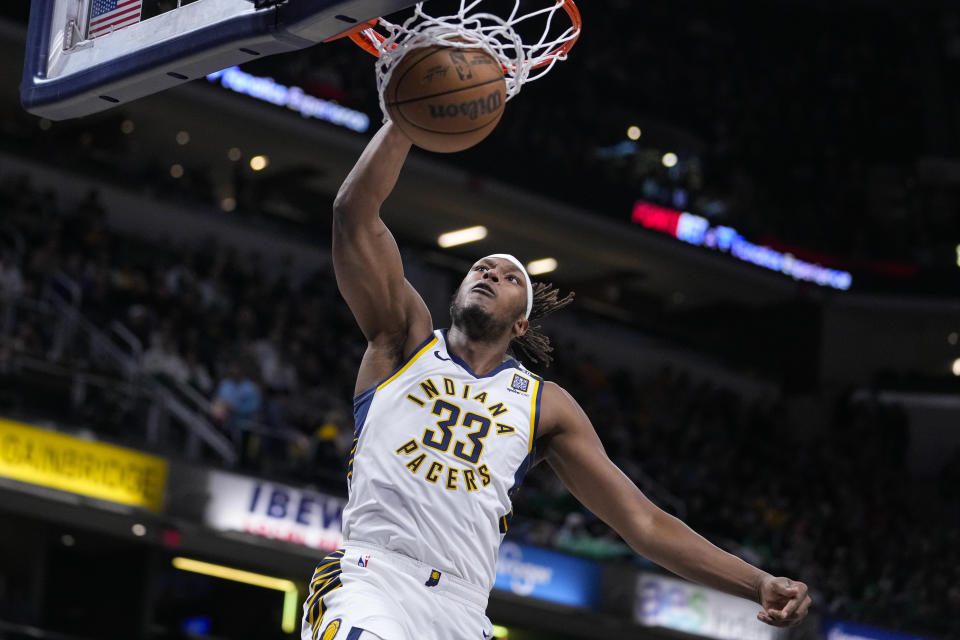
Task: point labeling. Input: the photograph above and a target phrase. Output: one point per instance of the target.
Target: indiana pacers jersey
(438, 456)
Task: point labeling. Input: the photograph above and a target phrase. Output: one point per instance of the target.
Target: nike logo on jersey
(439, 357)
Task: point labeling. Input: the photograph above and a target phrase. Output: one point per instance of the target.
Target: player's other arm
(576, 454)
(366, 260)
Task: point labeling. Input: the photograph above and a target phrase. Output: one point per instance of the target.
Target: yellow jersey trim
(412, 359)
(533, 413)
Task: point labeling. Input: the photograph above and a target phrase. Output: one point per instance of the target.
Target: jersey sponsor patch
(519, 383)
(434, 579)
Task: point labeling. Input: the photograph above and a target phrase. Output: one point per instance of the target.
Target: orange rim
(349, 33)
(363, 35)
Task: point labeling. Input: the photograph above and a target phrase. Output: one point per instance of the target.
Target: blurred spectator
(237, 398)
(198, 376)
(11, 278)
(272, 355)
(163, 359)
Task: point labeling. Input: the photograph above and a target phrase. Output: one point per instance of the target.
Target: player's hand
(785, 602)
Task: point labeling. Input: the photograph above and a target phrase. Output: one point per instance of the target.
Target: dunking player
(446, 426)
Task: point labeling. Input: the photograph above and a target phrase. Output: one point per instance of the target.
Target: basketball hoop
(470, 29)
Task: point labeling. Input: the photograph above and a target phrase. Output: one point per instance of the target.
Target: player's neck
(482, 356)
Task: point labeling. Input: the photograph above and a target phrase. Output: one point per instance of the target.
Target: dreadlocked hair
(534, 346)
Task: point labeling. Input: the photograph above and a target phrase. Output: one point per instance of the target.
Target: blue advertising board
(843, 630)
(548, 575)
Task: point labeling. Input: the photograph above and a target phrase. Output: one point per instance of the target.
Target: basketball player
(446, 426)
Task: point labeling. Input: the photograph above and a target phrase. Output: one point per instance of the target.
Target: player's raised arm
(366, 260)
(576, 454)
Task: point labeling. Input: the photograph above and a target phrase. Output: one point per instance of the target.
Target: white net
(469, 28)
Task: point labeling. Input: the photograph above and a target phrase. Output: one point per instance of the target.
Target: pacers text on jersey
(461, 421)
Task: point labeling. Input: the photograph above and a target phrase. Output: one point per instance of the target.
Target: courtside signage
(682, 606)
(537, 573)
(92, 469)
(272, 510)
(842, 630)
(697, 231)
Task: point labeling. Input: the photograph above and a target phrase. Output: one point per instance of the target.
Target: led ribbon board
(293, 98)
(698, 231)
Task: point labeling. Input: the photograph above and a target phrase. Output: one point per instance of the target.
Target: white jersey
(438, 456)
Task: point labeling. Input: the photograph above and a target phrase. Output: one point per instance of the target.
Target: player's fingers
(803, 608)
(765, 616)
(786, 619)
(787, 587)
(795, 601)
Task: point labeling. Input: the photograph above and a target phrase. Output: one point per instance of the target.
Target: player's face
(493, 291)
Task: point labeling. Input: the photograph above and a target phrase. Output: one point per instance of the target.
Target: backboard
(84, 56)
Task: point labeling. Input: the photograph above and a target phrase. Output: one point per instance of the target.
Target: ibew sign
(537, 573)
(271, 510)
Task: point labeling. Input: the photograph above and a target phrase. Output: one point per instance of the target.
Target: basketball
(446, 99)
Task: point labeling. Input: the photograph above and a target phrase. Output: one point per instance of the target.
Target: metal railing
(75, 355)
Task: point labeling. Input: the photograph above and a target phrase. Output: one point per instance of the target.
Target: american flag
(106, 16)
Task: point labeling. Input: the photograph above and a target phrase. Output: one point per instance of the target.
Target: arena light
(633, 132)
(183, 137)
(543, 265)
(953, 337)
(958, 255)
(176, 170)
(956, 367)
(233, 154)
(669, 159)
(500, 632)
(290, 594)
(259, 163)
(462, 236)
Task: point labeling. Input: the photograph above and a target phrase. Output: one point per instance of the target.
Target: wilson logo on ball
(472, 109)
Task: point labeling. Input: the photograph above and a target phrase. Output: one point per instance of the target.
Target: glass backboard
(85, 56)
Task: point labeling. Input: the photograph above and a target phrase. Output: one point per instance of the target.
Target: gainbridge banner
(92, 469)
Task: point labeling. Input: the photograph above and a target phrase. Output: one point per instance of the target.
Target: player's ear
(520, 327)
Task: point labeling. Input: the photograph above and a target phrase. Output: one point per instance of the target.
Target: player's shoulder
(557, 408)
(556, 394)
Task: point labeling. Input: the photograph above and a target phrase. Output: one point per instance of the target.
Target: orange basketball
(446, 99)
